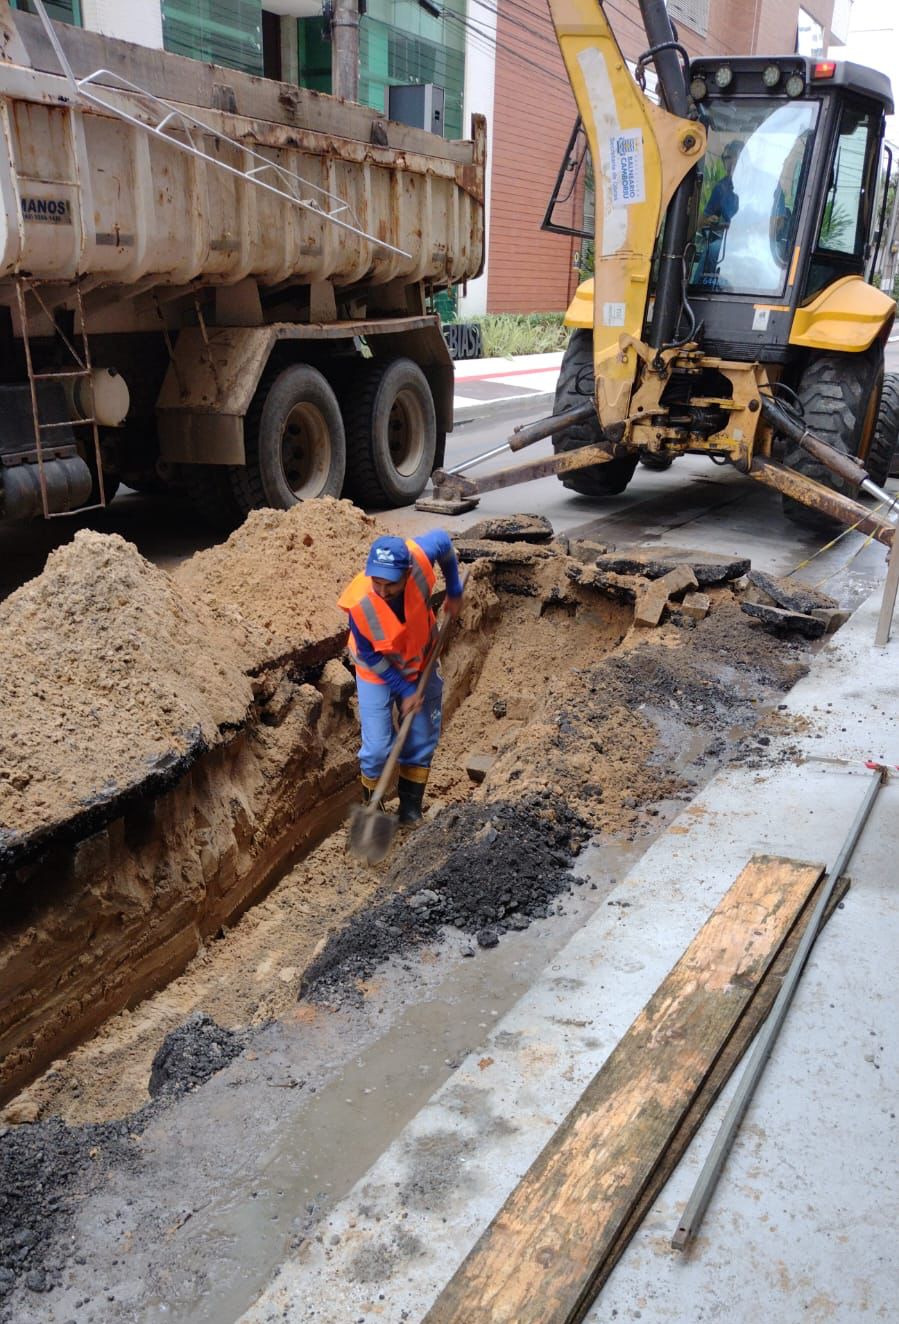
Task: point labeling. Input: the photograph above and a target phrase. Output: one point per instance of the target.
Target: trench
(227, 899)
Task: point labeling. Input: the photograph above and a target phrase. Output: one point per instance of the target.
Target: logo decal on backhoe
(52, 211)
(627, 178)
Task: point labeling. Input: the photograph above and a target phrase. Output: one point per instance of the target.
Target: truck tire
(210, 493)
(575, 385)
(840, 395)
(294, 441)
(883, 457)
(391, 434)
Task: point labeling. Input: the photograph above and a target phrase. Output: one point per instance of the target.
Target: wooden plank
(748, 1026)
(539, 1260)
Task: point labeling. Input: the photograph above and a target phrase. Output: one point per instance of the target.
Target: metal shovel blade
(371, 833)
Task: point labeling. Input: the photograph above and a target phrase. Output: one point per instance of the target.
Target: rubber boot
(411, 787)
(368, 786)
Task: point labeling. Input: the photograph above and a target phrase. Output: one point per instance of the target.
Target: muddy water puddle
(422, 1019)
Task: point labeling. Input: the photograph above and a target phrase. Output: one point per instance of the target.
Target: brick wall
(533, 113)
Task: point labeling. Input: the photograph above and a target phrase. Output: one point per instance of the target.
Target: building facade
(534, 111)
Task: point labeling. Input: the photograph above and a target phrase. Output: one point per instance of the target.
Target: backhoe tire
(391, 433)
(883, 455)
(840, 395)
(658, 463)
(294, 442)
(209, 491)
(574, 388)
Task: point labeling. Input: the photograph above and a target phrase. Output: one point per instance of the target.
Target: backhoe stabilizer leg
(452, 491)
(824, 499)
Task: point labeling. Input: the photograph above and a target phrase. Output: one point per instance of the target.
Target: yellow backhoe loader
(729, 314)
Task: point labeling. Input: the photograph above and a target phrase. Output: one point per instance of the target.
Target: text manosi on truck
(217, 281)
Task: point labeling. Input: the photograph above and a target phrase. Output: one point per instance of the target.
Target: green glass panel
(444, 303)
(64, 11)
(399, 45)
(314, 54)
(227, 32)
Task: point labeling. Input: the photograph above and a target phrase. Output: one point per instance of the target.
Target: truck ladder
(82, 372)
(163, 119)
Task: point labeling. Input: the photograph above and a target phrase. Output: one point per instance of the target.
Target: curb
(508, 404)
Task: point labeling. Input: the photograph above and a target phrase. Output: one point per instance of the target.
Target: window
(809, 36)
(64, 11)
(757, 156)
(225, 32)
(846, 209)
(695, 13)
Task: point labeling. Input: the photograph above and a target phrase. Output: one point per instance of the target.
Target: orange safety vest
(402, 644)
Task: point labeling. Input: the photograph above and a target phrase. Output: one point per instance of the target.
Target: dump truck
(217, 281)
(731, 314)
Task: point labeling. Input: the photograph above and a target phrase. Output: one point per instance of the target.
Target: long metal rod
(702, 1192)
(526, 434)
(479, 459)
(888, 601)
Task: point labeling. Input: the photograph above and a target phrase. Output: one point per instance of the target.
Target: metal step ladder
(163, 120)
(83, 371)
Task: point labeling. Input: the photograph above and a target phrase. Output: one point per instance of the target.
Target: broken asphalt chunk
(509, 528)
(652, 601)
(780, 621)
(706, 569)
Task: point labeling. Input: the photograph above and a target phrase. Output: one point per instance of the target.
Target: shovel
(372, 831)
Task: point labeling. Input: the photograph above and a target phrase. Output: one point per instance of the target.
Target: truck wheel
(294, 441)
(391, 434)
(883, 459)
(840, 394)
(209, 491)
(576, 385)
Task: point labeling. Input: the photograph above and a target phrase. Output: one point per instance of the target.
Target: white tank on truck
(217, 281)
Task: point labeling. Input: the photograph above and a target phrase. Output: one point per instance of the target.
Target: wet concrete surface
(241, 1172)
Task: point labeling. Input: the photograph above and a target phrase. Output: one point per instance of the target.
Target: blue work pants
(376, 707)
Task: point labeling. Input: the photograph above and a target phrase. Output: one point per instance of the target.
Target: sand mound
(284, 569)
(106, 665)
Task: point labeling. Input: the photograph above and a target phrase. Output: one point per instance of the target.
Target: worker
(392, 628)
(724, 202)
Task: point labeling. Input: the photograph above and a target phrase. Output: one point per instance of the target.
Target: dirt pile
(283, 571)
(105, 667)
(192, 1054)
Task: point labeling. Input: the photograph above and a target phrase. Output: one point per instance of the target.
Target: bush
(506, 334)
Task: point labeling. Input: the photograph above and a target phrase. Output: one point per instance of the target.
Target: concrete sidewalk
(485, 385)
(802, 1224)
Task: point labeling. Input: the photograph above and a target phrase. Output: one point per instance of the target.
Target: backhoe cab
(729, 313)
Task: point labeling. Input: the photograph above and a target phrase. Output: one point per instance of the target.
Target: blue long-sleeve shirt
(438, 548)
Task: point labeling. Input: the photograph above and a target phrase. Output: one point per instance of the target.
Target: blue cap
(388, 558)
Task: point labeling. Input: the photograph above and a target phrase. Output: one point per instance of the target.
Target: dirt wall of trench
(113, 883)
